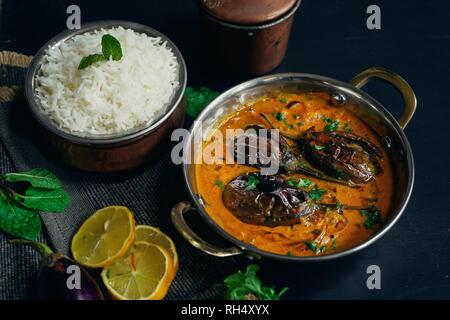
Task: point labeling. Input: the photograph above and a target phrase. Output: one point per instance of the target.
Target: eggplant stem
(342, 206)
(42, 248)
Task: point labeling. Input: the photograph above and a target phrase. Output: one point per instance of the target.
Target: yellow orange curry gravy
(322, 233)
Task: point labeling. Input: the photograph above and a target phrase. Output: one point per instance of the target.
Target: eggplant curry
(332, 189)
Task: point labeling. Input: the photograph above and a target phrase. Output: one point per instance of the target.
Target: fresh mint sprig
(19, 210)
(197, 99)
(39, 178)
(111, 48)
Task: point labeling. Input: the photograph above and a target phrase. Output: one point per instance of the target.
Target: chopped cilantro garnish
(301, 183)
(372, 217)
(331, 125)
(296, 116)
(252, 182)
(334, 244)
(279, 116)
(311, 245)
(322, 249)
(303, 164)
(283, 99)
(301, 123)
(219, 183)
(317, 194)
(315, 248)
(317, 147)
(347, 128)
(339, 173)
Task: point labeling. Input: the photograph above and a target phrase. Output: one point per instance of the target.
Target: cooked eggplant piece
(341, 155)
(247, 149)
(266, 200)
(334, 156)
(345, 159)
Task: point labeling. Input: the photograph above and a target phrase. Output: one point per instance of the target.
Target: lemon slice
(144, 273)
(154, 235)
(104, 237)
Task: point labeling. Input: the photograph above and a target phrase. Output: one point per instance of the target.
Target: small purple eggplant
(266, 200)
(61, 278)
(333, 156)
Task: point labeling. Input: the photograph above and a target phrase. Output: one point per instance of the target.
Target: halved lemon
(104, 237)
(144, 273)
(154, 235)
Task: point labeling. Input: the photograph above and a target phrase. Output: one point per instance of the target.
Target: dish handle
(177, 215)
(398, 82)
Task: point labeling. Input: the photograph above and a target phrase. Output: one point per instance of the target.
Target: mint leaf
(19, 213)
(198, 99)
(17, 220)
(111, 47)
(89, 60)
(40, 178)
(45, 200)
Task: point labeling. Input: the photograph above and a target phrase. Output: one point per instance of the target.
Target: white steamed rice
(107, 97)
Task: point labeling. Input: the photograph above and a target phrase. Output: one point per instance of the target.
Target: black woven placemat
(149, 193)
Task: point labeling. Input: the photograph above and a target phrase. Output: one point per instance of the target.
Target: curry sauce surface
(334, 230)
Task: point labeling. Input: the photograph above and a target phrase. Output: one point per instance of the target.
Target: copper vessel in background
(251, 35)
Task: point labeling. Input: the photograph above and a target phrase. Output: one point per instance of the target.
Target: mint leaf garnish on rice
(110, 49)
(89, 60)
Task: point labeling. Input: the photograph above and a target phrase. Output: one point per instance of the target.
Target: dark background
(330, 38)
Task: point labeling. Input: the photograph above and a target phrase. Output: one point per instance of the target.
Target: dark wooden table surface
(329, 38)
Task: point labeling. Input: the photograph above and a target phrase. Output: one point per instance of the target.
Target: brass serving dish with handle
(345, 95)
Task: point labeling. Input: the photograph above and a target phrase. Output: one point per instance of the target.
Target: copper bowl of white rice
(112, 115)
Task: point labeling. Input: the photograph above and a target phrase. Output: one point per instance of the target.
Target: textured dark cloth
(18, 265)
(149, 193)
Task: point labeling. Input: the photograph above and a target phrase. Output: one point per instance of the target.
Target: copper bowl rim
(113, 139)
(255, 27)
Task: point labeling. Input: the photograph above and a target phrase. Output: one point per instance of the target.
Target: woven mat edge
(10, 58)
